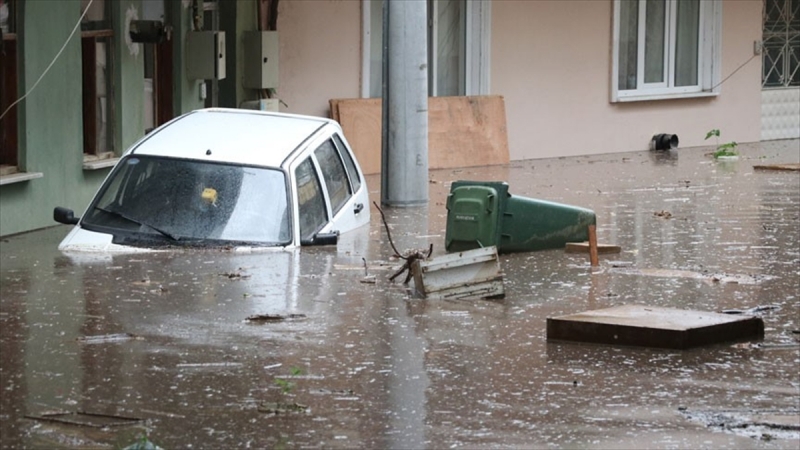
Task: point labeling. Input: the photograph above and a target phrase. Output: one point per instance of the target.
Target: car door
(345, 190)
(328, 188)
(312, 209)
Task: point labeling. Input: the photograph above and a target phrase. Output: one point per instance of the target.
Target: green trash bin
(483, 213)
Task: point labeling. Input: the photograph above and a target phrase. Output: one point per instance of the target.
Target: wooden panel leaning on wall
(462, 131)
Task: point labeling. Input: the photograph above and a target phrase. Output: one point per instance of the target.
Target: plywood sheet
(462, 131)
(785, 167)
(652, 326)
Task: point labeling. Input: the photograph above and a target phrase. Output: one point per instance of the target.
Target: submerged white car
(226, 178)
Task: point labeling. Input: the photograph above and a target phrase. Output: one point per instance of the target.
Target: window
(781, 54)
(458, 49)
(98, 107)
(447, 50)
(8, 88)
(311, 203)
(334, 174)
(665, 48)
(355, 181)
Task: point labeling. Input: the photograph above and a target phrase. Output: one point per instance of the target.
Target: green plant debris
(286, 385)
(727, 149)
(143, 443)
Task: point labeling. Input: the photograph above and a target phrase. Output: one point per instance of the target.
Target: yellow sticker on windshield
(210, 195)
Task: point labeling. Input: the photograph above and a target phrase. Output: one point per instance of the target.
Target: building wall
(50, 121)
(320, 54)
(50, 118)
(552, 62)
(549, 59)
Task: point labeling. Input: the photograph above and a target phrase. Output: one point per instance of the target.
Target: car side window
(334, 173)
(311, 203)
(355, 181)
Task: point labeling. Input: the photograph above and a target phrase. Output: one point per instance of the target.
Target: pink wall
(552, 59)
(320, 53)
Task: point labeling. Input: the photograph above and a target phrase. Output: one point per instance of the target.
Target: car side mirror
(322, 239)
(65, 216)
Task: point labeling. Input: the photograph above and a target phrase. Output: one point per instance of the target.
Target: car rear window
(355, 181)
(335, 175)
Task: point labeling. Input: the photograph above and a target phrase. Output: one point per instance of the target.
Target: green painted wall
(187, 92)
(50, 120)
(51, 127)
(128, 78)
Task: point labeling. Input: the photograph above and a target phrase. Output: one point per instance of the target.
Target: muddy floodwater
(108, 351)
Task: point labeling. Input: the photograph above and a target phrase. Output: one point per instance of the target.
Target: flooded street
(157, 346)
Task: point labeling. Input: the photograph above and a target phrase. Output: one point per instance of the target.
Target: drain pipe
(664, 141)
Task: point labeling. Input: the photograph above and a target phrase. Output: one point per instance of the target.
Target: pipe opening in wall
(665, 141)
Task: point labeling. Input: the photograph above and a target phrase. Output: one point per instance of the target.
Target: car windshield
(178, 201)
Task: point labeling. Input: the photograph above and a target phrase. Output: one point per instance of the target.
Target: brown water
(163, 337)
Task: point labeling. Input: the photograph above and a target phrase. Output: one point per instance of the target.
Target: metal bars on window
(781, 44)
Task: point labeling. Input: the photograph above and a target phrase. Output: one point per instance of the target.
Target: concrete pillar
(404, 165)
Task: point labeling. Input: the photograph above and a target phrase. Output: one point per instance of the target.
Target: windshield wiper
(138, 222)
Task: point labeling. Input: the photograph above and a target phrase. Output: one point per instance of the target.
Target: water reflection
(378, 367)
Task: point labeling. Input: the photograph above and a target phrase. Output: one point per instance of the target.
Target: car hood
(81, 240)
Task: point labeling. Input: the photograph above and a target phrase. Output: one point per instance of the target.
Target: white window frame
(709, 56)
(478, 32)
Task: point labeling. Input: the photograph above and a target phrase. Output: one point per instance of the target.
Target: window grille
(781, 44)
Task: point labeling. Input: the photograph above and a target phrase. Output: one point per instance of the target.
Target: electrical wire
(732, 73)
(77, 25)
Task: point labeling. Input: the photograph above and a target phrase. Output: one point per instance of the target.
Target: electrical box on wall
(265, 104)
(260, 59)
(205, 55)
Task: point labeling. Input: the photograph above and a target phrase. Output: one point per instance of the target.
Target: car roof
(231, 135)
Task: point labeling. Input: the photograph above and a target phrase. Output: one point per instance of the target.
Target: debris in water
(143, 444)
(787, 167)
(219, 364)
(410, 257)
(663, 214)
(675, 273)
(234, 275)
(103, 338)
(652, 326)
(368, 279)
(752, 311)
(281, 408)
(274, 317)
(583, 247)
(86, 419)
(761, 424)
(463, 275)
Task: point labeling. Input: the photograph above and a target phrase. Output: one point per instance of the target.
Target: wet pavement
(160, 341)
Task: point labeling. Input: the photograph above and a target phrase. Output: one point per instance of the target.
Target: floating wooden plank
(583, 247)
(784, 167)
(462, 131)
(467, 274)
(86, 419)
(651, 326)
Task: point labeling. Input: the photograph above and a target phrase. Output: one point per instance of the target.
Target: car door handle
(357, 208)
